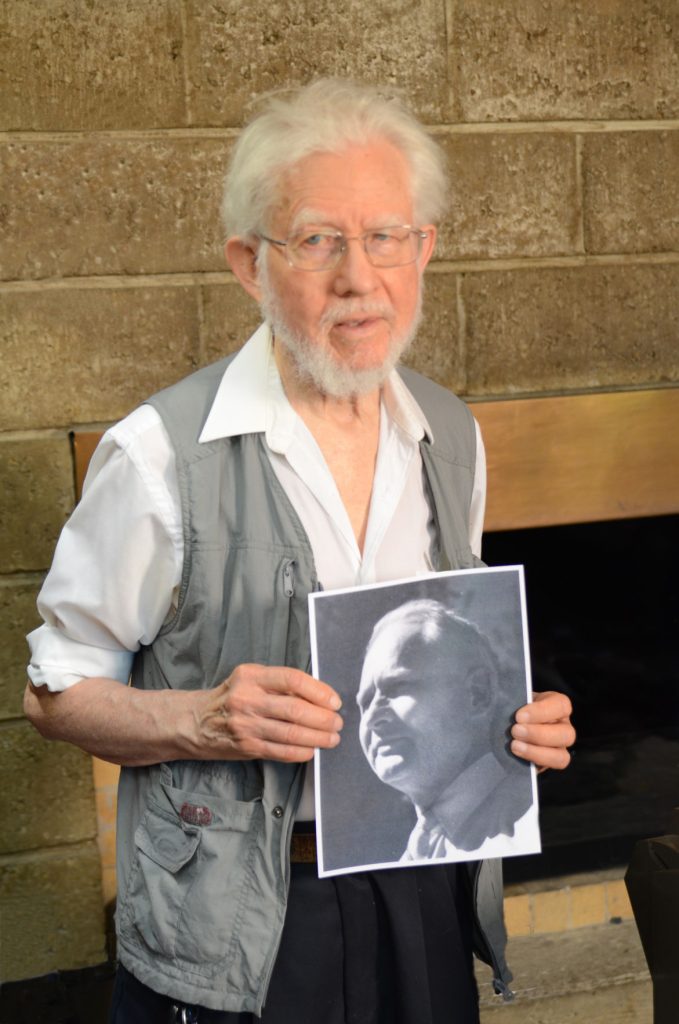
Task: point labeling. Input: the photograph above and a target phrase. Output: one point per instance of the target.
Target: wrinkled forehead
(396, 649)
(414, 648)
(358, 181)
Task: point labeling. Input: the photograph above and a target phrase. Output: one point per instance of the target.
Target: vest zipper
(289, 577)
(282, 612)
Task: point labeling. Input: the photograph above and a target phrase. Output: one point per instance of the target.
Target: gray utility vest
(203, 863)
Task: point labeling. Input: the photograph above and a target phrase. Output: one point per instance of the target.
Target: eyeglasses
(323, 249)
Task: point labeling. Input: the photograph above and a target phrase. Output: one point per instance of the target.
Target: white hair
(325, 117)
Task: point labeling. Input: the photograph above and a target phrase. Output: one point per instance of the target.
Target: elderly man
(433, 723)
(209, 515)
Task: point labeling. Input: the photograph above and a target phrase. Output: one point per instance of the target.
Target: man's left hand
(543, 731)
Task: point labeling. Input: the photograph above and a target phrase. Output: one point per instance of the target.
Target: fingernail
(519, 732)
(334, 739)
(335, 702)
(522, 716)
(518, 747)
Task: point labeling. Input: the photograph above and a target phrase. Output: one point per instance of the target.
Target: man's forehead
(396, 642)
(359, 181)
(316, 217)
(416, 641)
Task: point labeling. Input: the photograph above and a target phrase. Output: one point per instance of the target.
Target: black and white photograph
(430, 671)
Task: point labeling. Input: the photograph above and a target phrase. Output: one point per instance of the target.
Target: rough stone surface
(48, 794)
(592, 975)
(551, 911)
(18, 615)
(511, 195)
(36, 496)
(76, 354)
(85, 64)
(631, 192)
(97, 205)
(588, 905)
(567, 328)
(235, 54)
(532, 60)
(436, 351)
(53, 911)
(229, 318)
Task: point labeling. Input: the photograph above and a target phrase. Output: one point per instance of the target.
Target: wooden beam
(84, 442)
(581, 458)
(572, 459)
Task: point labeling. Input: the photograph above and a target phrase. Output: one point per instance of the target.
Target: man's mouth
(356, 321)
(385, 744)
(356, 328)
(355, 317)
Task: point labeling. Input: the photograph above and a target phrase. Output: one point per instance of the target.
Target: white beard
(313, 363)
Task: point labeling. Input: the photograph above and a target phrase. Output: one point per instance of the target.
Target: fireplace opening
(603, 614)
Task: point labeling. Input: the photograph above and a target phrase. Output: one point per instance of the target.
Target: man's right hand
(277, 713)
(280, 714)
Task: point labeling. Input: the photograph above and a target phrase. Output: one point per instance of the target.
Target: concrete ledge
(594, 975)
(567, 903)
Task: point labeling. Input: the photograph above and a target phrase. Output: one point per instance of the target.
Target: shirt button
(277, 811)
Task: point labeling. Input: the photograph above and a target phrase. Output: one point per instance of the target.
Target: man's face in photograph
(416, 705)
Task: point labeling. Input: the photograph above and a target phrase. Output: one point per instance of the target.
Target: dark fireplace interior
(603, 614)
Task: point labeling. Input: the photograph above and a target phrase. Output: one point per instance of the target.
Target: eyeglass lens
(384, 247)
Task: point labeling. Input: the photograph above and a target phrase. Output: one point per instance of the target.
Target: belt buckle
(303, 848)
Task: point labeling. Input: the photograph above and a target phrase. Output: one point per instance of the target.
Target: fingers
(270, 712)
(286, 695)
(543, 757)
(546, 707)
(543, 731)
(293, 681)
(557, 734)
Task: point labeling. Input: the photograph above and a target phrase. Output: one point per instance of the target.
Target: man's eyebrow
(395, 677)
(319, 219)
(364, 693)
(310, 216)
(386, 220)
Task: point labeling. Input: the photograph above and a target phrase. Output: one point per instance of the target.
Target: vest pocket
(189, 877)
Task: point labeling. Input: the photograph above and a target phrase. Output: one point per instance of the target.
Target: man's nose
(378, 707)
(354, 274)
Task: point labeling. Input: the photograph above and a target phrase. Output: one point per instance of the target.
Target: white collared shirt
(118, 562)
(430, 838)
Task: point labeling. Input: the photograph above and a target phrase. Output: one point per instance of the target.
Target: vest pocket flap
(166, 842)
(207, 810)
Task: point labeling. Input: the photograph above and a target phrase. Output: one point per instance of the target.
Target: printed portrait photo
(431, 672)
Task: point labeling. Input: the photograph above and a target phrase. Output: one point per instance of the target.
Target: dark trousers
(384, 947)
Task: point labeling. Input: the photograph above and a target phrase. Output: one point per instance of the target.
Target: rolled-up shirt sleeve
(118, 561)
(477, 508)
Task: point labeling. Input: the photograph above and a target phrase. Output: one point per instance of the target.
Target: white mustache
(355, 309)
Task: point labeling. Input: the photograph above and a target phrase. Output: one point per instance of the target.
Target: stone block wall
(557, 269)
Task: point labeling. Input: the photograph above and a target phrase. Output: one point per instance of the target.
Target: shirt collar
(250, 399)
(239, 407)
(403, 410)
(463, 797)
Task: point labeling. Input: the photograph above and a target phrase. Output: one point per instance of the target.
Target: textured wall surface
(557, 268)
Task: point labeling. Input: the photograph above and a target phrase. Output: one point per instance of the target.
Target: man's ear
(428, 245)
(481, 687)
(241, 255)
